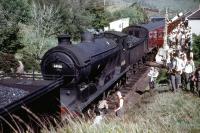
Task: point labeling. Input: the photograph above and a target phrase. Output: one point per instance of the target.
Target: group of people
(182, 72)
(180, 64)
(180, 37)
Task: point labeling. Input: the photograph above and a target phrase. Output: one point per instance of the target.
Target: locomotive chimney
(87, 37)
(64, 39)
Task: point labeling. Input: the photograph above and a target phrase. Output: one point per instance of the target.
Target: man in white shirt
(176, 69)
(153, 74)
(188, 72)
(179, 69)
(120, 107)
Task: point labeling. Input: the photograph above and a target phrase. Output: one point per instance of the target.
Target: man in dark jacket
(197, 79)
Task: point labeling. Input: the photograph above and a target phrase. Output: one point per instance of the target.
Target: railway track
(133, 76)
(130, 86)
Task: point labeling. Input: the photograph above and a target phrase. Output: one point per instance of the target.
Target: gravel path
(9, 95)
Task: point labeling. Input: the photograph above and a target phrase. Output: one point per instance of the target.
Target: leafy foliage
(75, 17)
(135, 13)
(8, 63)
(16, 10)
(9, 38)
(196, 47)
(101, 17)
(162, 77)
(29, 61)
(40, 34)
(12, 12)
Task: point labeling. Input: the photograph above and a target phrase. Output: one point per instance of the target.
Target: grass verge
(165, 112)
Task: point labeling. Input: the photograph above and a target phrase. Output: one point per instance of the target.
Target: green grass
(162, 77)
(165, 113)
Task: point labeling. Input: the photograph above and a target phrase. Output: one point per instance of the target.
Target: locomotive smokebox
(87, 37)
(80, 62)
(64, 39)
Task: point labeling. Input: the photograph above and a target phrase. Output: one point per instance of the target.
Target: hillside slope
(165, 112)
(180, 5)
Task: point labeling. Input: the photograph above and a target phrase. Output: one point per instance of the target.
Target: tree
(8, 63)
(76, 17)
(16, 10)
(135, 13)
(9, 37)
(196, 47)
(12, 13)
(40, 35)
(101, 17)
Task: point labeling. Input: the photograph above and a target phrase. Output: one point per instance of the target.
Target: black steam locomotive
(92, 66)
(74, 75)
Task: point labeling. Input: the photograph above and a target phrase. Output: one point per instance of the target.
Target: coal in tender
(10, 94)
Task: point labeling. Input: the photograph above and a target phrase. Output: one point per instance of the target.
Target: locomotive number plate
(57, 66)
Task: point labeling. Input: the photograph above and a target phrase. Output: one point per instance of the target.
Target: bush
(135, 13)
(10, 39)
(29, 62)
(101, 18)
(12, 13)
(196, 48)
(162, 77)
(8, 63)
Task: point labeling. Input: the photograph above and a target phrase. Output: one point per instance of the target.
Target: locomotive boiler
(81, 62)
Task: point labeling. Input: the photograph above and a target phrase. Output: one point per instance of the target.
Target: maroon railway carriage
(156, 33)
(154, 30)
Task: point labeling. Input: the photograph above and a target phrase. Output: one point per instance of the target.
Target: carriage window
(160, 34)
(150, 35)
(155, 34)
